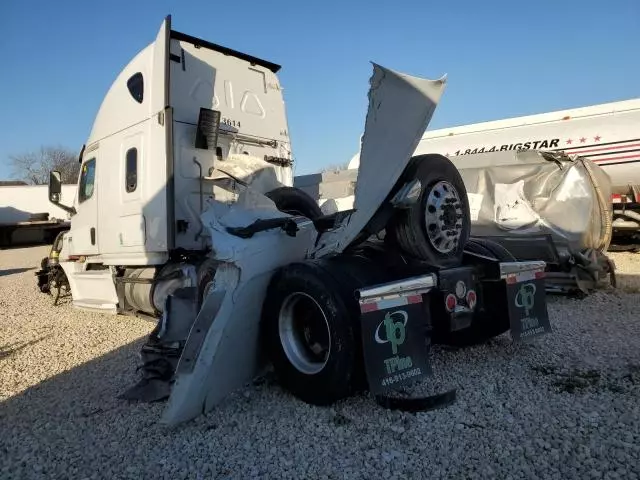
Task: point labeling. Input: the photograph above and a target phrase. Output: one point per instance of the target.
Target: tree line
(33, 167)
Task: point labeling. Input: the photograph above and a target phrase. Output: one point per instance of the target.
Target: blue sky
(502, 59)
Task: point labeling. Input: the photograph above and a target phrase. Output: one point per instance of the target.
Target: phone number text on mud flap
(401, 376)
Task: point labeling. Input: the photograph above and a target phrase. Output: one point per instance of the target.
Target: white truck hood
(400, 108)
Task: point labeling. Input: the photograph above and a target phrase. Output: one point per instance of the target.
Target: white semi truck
(185, 213)
(608, 134)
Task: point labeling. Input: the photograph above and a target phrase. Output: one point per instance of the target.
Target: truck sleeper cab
(145, 174)
(185, 213)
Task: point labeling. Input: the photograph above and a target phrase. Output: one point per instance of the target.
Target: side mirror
(55, 186)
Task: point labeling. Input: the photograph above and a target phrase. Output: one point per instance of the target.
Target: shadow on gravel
(9, 349)
(13, 271)
(86, 390)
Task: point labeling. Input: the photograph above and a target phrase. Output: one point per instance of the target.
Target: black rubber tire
(408, 227)
(484, 326)
(349, 274)
(38, 217)
(294, 201)
(494, 248)
(339, 377)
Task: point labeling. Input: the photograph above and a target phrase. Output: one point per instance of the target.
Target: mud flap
(395, 330)
(526, 301)
(394, 341)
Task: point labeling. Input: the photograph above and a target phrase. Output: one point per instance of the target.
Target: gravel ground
(563, 407)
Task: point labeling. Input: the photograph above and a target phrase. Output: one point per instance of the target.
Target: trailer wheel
(294, 201)
(483, 326)
(309, 334)
(436, 227)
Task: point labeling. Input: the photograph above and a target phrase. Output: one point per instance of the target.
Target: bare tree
(34, 167)
(336, 167)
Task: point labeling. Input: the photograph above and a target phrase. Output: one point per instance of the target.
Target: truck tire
(483, 326)
(350, 273)
(310, 333)
(294, 201)
(486, 247)
(39, 217)
(436, 227)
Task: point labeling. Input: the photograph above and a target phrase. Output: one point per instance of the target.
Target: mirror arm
(71, 210)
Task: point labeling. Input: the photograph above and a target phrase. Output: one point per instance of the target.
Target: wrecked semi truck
(185, 213)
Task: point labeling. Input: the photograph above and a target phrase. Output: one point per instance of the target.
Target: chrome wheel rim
(443, 217)
(304, 333)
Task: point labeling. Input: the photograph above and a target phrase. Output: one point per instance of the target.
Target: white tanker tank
(607, 134)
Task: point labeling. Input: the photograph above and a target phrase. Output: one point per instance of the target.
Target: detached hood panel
(400, 108)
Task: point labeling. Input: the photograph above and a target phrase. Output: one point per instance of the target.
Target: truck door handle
(93, 236)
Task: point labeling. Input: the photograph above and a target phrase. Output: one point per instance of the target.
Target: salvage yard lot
(566, 406)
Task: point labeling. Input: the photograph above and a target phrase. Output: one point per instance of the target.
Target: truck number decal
(230, 122)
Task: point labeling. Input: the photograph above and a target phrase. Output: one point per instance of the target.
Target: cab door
(83, 236)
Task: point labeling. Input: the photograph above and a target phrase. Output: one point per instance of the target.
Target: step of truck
(94, 290)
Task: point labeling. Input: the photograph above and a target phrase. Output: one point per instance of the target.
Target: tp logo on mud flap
(395, 330)
(525, 298)
(395, 349)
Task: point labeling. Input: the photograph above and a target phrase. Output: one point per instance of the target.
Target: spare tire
(39, 217)
(310, 333)
(294, 201)
(437, 226)
(484, 325)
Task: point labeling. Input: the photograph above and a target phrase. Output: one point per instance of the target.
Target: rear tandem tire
(484, 246)
(483, 326)
(307, 292)
(427, 238)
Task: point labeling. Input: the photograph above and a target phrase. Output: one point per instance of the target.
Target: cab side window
(135, 84)
(87, 180)
(131, 171)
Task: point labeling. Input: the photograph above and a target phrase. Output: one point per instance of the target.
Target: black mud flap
(527, 303)
(395, 340)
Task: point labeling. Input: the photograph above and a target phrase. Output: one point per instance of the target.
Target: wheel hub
(304, 333)
(443, 217)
